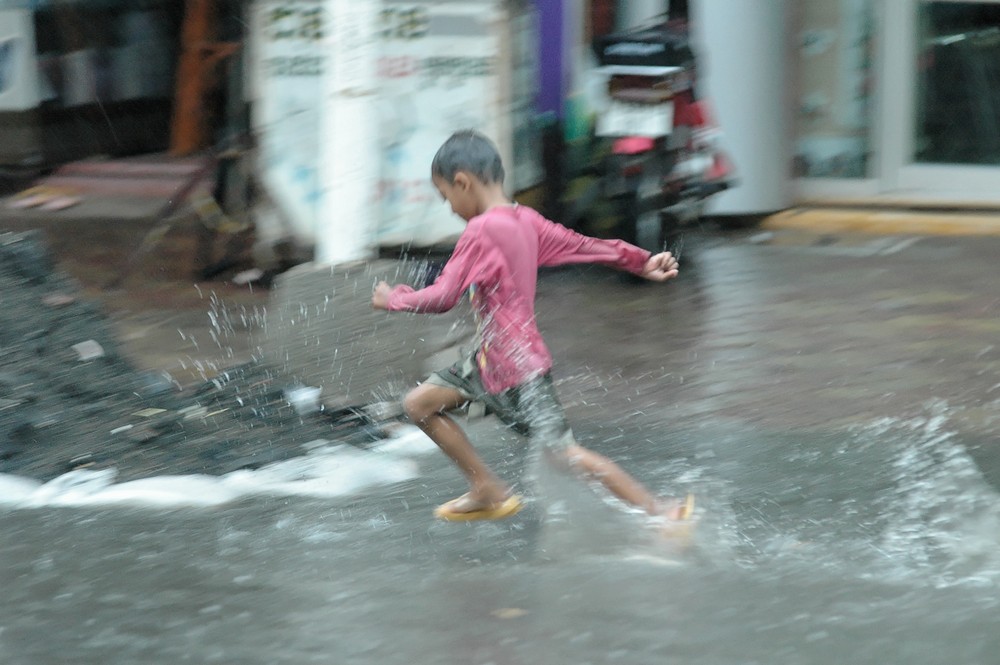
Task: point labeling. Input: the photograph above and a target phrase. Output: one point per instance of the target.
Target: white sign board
(442, 65)
(438, 73)
(447, 66)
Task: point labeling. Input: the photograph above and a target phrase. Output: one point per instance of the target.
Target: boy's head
(465, 164)
(468, 151)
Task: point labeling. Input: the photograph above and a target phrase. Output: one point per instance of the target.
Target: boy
(496, 260)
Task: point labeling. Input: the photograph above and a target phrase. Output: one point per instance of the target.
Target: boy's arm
(440, 296)
(558, 245)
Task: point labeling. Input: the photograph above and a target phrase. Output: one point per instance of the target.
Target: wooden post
(188, 127)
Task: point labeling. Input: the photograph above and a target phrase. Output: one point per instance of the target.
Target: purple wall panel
(550, 56)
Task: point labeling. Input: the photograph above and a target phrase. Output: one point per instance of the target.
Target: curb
(885, 222)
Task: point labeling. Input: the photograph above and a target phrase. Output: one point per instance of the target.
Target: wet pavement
(831, 398)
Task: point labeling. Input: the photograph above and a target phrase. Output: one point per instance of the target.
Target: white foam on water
(328, 470)
(651, 559)
(407, 440)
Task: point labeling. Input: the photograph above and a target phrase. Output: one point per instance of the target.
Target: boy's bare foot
(469, 503)
(677, 510)
(675, 520)
(467, 508)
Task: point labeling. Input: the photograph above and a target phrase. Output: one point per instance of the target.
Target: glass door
(941, 103)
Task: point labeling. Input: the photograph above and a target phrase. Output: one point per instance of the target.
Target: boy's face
(459, 193)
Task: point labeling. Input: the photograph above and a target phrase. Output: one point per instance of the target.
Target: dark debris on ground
(69, 399)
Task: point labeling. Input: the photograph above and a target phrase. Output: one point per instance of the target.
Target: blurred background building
(833, 101)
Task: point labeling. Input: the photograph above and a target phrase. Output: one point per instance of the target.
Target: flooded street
(832, 401)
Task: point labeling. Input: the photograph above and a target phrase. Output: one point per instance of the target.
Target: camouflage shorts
(530, 409)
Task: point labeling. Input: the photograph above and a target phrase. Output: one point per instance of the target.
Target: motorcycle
(664, 160)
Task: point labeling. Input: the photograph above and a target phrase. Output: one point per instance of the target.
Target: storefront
(893, 102)
(85, 78)
(97, 77)
(897, 101)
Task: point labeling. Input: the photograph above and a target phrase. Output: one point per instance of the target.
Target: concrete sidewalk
(93, 240)
(886, 221)
(323, 331)
(814, 317)
(119, 190)
(787, 327)
(166, 315)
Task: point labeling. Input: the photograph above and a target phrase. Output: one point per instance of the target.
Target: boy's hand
(660, 267)
(380, 296)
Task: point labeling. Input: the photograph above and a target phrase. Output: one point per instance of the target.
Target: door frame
(898, 174)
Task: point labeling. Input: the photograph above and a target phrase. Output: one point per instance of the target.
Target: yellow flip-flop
(680, 528)
(687, 509)
(510, 506)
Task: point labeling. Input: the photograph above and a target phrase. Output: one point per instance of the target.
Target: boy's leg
(426, 405)
(543, 414)
(617, 481)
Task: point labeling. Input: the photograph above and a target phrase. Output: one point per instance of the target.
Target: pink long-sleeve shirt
(496, 260)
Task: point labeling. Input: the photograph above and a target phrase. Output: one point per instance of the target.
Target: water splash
(943, 517)
(894, 500)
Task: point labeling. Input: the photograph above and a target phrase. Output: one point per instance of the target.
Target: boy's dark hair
(468, 150)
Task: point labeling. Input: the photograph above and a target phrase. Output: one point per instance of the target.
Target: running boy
(496, 260)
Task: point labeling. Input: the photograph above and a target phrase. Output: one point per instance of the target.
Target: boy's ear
(462, 181)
